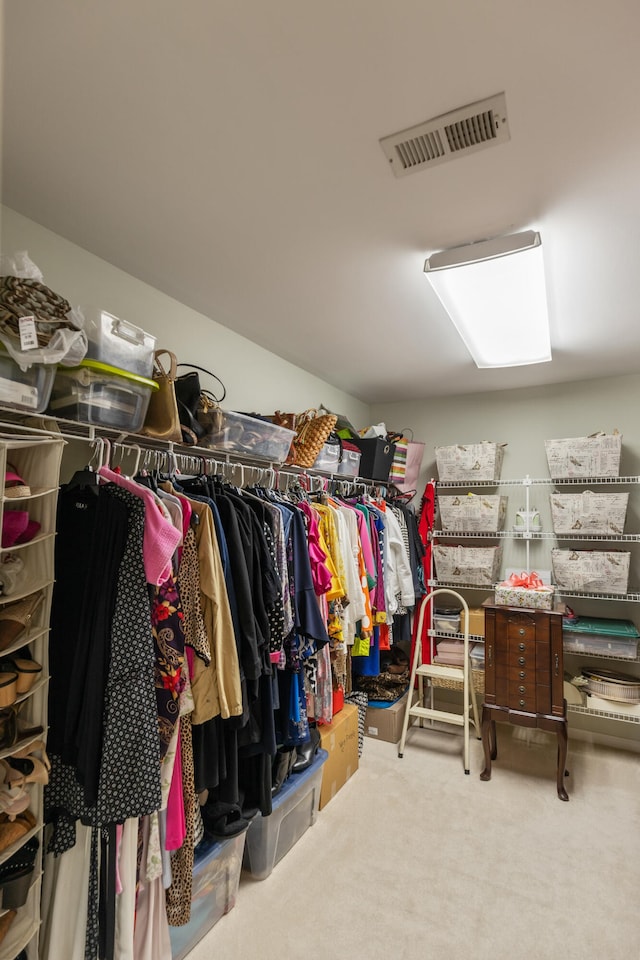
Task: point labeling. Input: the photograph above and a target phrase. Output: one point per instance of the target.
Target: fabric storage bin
(475, 565)
(596, 456)
(118, 343)
(295, 809)
(216, 876)
(376, 457)
(588, 512)
(591, 571)
(471, 461)
(96, 393)
(349, 466)
(28, 390)
(240, 433)
(473, 513)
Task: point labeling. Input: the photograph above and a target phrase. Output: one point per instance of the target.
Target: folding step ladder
(431, 671)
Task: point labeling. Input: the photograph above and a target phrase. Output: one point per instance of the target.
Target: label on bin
(28, 333)
(19, 394)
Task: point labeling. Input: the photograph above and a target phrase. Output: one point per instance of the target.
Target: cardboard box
(588, 512)
(473, 513)
(470, 461)
(597, 456)
(477, 565)
(591, 571)
(340, 740)
(508, 596)
(385, 723)
(476, 621)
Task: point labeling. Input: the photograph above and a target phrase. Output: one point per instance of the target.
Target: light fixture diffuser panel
(498, 305)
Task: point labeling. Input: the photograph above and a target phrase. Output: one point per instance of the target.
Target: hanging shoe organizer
(30, 471)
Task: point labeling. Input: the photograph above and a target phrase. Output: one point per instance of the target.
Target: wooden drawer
(520, 630)
(520, 660)
(521, 674)
(522, 696)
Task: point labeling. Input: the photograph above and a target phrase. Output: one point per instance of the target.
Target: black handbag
(198, 408)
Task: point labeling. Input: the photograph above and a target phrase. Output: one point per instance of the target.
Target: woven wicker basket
(477, 679)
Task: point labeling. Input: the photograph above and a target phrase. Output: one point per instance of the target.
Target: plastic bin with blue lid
(216, 876)
(295, 809)
(97, 393)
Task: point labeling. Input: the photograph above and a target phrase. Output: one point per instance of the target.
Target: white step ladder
(433, 671)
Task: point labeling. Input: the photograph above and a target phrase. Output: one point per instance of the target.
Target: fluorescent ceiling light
(494, 292)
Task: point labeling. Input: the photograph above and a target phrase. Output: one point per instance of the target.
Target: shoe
(306, 752)
(16, 618)
(281, 768)
(14, 486)
(13, 830)
(5, 922)
(8, 687)
(27, 672)
(16, 875)
(30, 768)
(10, 730)
(14, 800)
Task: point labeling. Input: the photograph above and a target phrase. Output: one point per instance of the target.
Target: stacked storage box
(112, 386)
(216, 876)
(295, 809)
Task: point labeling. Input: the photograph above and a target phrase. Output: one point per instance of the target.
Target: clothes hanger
(87, 478)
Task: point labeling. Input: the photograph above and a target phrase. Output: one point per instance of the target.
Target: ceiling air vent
(474, 127)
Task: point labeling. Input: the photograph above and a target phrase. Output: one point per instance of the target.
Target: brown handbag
(162, 421)
(312, 430)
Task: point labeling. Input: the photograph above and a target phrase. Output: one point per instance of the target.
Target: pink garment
(320, 573)
(119, 829)
(176, 822)
(161, 538)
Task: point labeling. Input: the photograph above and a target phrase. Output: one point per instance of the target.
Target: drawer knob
(521, 689)
(521, 631)
(522, 703)
(522, 674)
(521, 646)
(521, 661)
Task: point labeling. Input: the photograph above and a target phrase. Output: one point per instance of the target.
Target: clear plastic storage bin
(294, 810)
(349, 466)
(242, 434)
(119, 343)
(329, 458)
(216, 876)
(97, 393)
(28, 390)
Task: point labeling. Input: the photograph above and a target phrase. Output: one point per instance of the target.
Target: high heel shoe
(16, 618)
(27, 671)
(32, 769)
(8, 687)
(13, 830)
(10, 730)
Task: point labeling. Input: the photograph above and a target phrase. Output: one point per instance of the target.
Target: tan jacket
(216, 687)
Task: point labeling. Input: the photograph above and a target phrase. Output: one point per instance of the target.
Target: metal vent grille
(470, 128)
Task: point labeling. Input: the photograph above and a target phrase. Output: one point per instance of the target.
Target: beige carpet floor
(413, 860)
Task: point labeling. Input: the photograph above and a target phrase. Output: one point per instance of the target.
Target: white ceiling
(226, 152)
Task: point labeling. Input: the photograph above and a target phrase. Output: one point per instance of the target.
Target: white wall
(256, 380)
